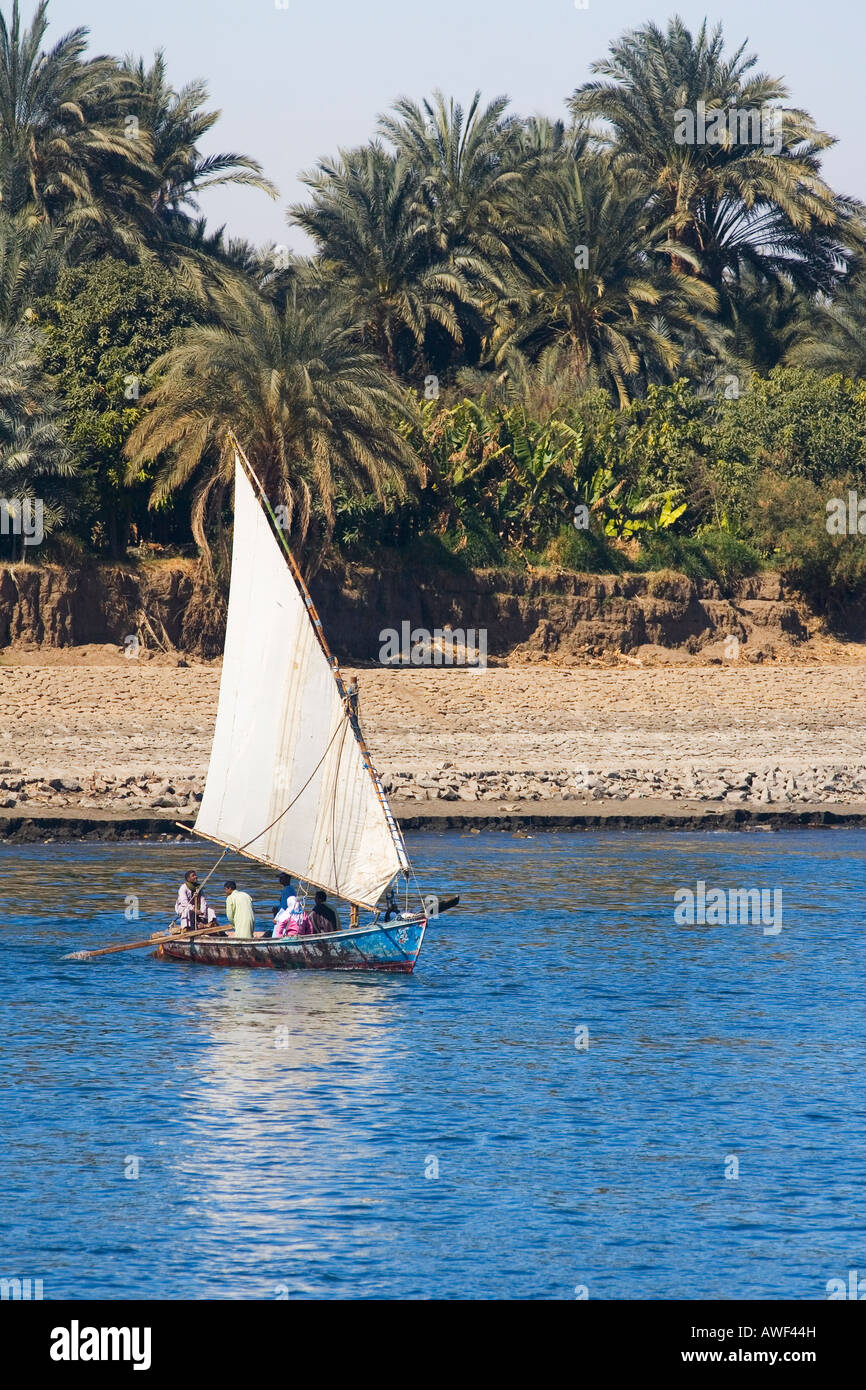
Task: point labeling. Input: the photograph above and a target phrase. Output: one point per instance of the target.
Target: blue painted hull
(393, 947)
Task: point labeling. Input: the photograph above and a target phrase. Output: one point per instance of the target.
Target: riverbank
(52, 825)
(85, 731)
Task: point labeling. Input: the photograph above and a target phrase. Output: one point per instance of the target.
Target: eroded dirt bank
(527, 616)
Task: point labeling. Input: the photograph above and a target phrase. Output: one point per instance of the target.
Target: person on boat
(287, 891)
(239, 910)
(288, 924)
(353, 695)
(188, 895)
(291, 918)
(322, 917)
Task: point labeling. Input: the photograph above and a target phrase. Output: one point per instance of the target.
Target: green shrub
(586, 551)
(714, 554)
(474, 541)
(789, 521)
(797, 422)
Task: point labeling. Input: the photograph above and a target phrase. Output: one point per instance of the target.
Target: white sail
(283, 739)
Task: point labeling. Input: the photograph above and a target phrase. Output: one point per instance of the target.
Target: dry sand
(88, 711)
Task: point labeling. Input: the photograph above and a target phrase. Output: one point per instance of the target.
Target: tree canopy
(648, 308)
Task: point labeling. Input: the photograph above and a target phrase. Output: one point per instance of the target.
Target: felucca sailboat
(291, 783)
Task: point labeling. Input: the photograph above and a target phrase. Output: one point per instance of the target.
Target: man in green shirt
(239, 910)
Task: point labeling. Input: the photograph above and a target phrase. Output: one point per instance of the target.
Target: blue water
(288, 1128)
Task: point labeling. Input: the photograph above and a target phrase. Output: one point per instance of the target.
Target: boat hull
(392, 947)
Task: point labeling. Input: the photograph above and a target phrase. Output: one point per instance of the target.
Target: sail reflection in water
(268, 1087)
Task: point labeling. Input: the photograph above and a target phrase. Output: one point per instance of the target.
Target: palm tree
(542, 387)
(175, 122)
(768, 317)
(318, 415)
(33, 452)
(475, 170)
(63, 150)
(833, 334)
(467, 164)
(604, 305)
(32, 439)
(737, 205)
(380, 256)
(543, 143)
(31, 257)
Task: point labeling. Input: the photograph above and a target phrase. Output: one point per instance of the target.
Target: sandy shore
(136, 733)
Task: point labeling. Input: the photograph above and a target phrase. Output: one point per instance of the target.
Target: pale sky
(295, 83)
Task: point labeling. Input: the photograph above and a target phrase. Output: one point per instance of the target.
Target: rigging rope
(334, 801)
(240, 848)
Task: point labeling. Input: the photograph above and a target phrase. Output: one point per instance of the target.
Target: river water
(575, 1095)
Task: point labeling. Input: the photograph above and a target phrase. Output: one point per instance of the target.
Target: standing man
(191, 908)
(286, 891)
(352, 696)
(239, 910)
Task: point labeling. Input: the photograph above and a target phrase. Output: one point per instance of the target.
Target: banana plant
(540, 466)
(632, 511)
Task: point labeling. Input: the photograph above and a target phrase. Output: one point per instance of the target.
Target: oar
(151, 941)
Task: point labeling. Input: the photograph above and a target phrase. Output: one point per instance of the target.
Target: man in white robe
(185, 907)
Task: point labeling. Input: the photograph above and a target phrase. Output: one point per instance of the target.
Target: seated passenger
(283, 923)
(322, 917)
(191, 906)
(290, 919)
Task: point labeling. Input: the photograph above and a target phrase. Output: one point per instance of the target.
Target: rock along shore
(812, 785)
